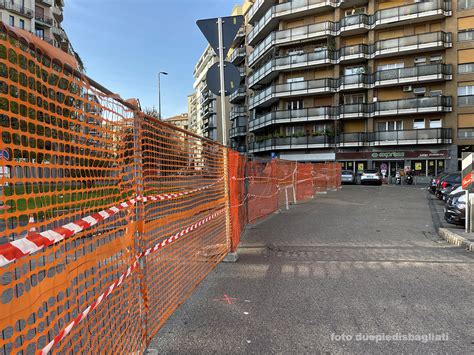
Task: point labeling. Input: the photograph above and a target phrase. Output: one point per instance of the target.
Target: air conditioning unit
(419, 91)
(420, 60)
(407, 88)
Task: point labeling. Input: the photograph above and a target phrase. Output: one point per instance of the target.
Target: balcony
(237, 132)
(355, 82)
(413, 44)
(238, 95)
(258, 8)
(309, 87)
(306, 142)
(354, 24)
(412, 106)
(238, 111)
(16, 8)
(58, 14)
(354, 111)
(293, 116)
(45, 2)
(402, 137)
(44, 20)
(422, 73)
(272, 68)
(237, 56)
(355, 53)
(297, 34)
(286, 10)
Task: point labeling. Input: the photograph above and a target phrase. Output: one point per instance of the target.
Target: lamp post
(159, 92)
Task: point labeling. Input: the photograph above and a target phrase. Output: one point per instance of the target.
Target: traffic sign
(466, 171)
(4, 154)
(230, 27)
(231, 82)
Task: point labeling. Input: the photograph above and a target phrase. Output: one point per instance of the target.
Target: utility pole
(222, 81)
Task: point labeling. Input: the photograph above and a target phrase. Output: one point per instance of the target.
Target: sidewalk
(349, 262)
(458, 237)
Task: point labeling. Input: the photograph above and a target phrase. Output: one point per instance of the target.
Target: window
(436, 59)
(356, 11)
(466, 68)
(467, 35)
(296, 51)
(295, 105)
(22, 24)
(40, 33)
(354, 99)
(420, 61)
(435, 123)
(294, 80)
(11, 21)
(467, 90)
(360, 69)
(294, 130)
(389, 126)
(390, 66)
(419, 123)
(465, 4)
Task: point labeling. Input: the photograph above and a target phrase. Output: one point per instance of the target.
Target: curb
(455, 239)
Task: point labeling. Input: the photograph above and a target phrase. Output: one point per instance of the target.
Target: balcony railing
(305, 142)
(237, 55)
(293, 116)
(287, 8)
(410, 106)
(411, 12)
(17, 8)
(237, 131)
(411, 136)
(308, 87)
(293, 61)
(467, 100)
(46, 2)
(238, 111)
(258, 7)
(238, 94)
(431, 72)
(45, 20)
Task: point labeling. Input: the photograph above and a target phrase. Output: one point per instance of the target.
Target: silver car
(348, 177)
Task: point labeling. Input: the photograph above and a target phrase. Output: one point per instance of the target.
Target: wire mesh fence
(109, 218)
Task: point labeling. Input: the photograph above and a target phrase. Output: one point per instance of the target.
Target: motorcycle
(409, 179)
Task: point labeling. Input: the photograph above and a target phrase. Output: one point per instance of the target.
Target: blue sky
(124, 43)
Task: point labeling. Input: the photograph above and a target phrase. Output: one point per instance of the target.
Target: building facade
(40, 17)
(372, 84)
(180, 121)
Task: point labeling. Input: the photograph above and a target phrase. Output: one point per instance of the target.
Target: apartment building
(208, 108)
(40, 17)
(372, 84)
(180, 121)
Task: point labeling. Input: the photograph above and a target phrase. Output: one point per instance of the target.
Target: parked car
(447, 191)
(348, 177)
(435, 180)
(455, 210)
(446, 181)
(370, 176)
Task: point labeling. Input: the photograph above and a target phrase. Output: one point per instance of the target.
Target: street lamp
(159, 92)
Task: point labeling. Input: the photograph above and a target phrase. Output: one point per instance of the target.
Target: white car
(370, 176)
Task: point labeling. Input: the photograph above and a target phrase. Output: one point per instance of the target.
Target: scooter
(409, 179)
(398, 179)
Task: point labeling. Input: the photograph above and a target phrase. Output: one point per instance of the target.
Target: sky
(125, 43)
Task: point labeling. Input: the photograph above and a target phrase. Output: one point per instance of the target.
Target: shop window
(435, 123)
(419, 123)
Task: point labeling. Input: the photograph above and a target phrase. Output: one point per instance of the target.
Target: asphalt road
(363, 261)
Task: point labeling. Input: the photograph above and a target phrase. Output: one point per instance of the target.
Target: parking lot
(363, 260)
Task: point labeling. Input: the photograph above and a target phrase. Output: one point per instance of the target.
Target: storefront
(423, 163)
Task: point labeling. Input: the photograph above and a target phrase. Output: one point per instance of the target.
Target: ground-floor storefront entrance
(421, 163)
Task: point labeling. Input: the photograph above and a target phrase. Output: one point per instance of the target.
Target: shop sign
(388, 155)
(418, 166)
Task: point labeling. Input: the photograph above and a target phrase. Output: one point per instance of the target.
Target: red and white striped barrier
(33, 242)
(63, 333)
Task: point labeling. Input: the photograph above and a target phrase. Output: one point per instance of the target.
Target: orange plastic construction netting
(109, 218)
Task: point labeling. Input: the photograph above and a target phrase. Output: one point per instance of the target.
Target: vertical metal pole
(221, 72)
(159, 96)
(468, 212)
(286, 196)
(227, 192)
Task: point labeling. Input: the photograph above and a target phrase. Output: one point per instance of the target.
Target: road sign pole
(221, 70)
(468, 212)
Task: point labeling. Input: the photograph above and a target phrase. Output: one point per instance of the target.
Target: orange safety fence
(110, 218)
